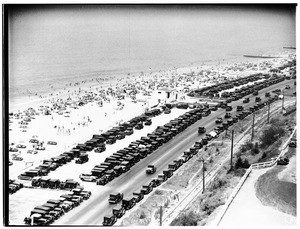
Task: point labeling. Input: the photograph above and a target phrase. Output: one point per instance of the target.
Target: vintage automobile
(87, 177)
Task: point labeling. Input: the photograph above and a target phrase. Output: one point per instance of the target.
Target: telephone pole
(203, 179)
(232, 133)
(282, 100)
(160, 216)
(269, 104)
(252, 136)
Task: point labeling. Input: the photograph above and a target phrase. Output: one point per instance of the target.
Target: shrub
(246, 164)
(238, 163)
(189, 219)
(209, 205)
(271, 135)
(239, 172)
(241, 163)
(247, 146)
(255, 149)
(142, 215)
(264, 155)
(158, 192)
(218, 183)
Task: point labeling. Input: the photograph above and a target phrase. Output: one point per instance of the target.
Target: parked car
(83, 158)
(283, 161)
(33, 140)
(87, 177)
(11, 149)
(148, 122)
(227, 115)
(118, 211)
(21, 146)
(115, 198)
(52, 143)
(246, 100)
(38, 147)
(293, 143)
(219, 120)
(109, 220)
(17, 158)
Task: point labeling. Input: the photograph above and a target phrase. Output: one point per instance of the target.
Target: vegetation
(142, 215)
(255, 149)
(209, 205)
(186, 219)
(158, 192)
(246, 146)
(218, 183)
(241, 163)
(271, 134)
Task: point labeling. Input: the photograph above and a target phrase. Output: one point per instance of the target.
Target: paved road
(92, 211)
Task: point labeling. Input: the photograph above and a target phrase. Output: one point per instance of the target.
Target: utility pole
(160, 216)
(232, 133)
(203, 179)
(269, 104)
(282, 100)
(253, 126)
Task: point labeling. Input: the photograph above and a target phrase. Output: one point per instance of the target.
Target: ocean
(55, 45)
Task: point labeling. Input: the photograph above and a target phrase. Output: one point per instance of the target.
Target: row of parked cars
(174, 126)
(46, 182)
(243, 91)
(97, 142)
(14, 186)
(122, 160)
(50, 165)
(120, 132)
(215, 89)
(46, 214)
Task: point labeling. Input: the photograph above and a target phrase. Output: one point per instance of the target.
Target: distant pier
(289, 47)
(260, 56)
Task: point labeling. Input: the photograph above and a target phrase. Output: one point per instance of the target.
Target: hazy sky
(64, 39)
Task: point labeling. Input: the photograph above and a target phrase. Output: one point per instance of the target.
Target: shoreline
(34, 100)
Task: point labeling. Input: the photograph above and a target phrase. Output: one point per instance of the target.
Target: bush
(209, 205)
(158, 192)
(271, 135)
(247, 146)
(238, 163)
(189, 219)
(242, 163)
(255, 149)
(264, 155)
(239, 172)
(142, 215)
(245, 164)
(218, 183)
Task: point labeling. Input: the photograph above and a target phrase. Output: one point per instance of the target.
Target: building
(166, 95)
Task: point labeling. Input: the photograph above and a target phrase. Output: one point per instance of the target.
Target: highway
(92, 211)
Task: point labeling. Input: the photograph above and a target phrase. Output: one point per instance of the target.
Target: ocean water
(54, 45)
